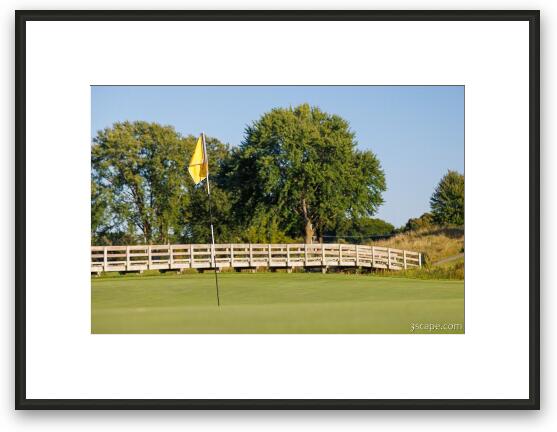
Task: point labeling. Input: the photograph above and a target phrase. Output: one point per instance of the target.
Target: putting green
(276, 303)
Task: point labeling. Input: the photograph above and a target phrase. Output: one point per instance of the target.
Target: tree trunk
(146, 228)
(309, 226)
(309, 232)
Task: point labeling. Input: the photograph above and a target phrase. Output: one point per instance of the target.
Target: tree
(447, 202)
(363, 229)
(302, 165)
(140, 167)
(424, 221)
(140, 184)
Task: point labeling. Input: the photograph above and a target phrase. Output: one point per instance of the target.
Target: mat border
(22, 402)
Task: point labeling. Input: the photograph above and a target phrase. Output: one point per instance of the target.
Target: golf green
(276, 303)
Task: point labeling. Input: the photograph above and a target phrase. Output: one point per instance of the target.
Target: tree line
(297, 176)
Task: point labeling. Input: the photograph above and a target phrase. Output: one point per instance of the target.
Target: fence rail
(235, 255)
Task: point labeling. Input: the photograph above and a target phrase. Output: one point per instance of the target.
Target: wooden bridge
(249, 256)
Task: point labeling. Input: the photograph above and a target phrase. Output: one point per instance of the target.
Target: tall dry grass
(435, 243)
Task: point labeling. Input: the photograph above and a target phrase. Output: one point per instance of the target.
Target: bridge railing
(245, 255)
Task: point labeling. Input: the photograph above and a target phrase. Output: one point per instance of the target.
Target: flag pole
(213, 258)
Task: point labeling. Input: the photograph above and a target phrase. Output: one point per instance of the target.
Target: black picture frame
(531, 16)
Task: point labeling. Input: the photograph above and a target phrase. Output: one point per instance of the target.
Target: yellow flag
(198, 164)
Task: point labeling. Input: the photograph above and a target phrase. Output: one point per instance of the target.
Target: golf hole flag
(199, 170)
(198, 167)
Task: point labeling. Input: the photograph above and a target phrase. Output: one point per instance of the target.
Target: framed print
(277, 210)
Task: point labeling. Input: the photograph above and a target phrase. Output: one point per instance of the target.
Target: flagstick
(206, 161)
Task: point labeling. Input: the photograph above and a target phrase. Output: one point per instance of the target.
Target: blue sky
(416, 131)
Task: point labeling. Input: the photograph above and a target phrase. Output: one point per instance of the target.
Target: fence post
(105, 259)
(305, 254)
(373, 256)
(250, 255)
(339, 253)
(389, 258)
(127, 257)
(231, 255)
(287, 254)
(170, 256)
(404, 257)
(191, 255)
(357, 256)
(322, 253)
(420, 259)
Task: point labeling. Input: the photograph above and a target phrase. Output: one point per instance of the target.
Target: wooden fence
(238, 256)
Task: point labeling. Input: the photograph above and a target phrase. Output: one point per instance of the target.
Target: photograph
(277, 209)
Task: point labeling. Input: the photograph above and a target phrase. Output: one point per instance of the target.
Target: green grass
(273, 303)
(453, 270)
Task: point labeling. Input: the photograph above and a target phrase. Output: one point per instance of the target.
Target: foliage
(264, 228)
(435, 243)
(454, 271)
(447, 202)
(99, 208)
(140, 184)
(424, 221)
(194, 221)
(360, 230)
(302, 165)
(297, 175)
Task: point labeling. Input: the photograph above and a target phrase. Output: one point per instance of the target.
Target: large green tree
(301, 165)
(140, 184)
(447, 202)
